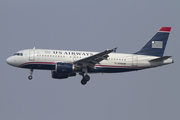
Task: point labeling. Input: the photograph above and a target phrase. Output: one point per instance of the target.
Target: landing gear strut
(30, 76)
(85, 78)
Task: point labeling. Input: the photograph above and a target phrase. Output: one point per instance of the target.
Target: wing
(92, 60)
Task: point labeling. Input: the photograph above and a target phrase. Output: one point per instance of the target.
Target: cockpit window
(18, 54)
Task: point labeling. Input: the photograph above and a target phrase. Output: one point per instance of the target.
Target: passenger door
(31, 55)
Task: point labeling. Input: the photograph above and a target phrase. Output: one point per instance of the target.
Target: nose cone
(9, 61)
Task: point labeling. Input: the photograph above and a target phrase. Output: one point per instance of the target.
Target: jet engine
(61, 75)
(64, 68)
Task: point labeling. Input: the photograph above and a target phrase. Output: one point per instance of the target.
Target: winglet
(114, 49)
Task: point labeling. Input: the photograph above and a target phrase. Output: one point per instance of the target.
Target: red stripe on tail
(165, 29)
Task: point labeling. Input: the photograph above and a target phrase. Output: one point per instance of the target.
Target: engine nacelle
(64, 68)
(61, 75)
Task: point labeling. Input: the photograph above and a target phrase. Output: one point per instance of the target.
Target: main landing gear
(85, 78)
(30, 76)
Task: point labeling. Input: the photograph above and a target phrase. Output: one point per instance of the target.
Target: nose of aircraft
(9, 60)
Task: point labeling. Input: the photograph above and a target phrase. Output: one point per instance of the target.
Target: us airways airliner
(65, 63)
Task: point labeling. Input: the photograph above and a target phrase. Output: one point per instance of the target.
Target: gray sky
(95, 25)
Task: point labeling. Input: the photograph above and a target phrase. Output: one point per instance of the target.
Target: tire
(87, 78)
(83, 82)
(30, 77)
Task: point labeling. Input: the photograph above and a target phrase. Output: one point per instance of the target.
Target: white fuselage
(116, 62)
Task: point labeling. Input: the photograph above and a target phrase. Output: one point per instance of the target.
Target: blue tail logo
(157, 44)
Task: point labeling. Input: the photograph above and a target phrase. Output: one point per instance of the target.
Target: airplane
(66, 63)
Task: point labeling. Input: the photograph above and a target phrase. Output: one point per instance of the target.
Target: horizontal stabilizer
(160, 59)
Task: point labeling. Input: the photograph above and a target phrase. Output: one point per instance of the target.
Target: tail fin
(157, 44)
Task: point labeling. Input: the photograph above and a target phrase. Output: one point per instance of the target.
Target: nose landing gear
(30, 76)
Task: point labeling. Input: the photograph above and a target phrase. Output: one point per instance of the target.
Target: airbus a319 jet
(65, 63)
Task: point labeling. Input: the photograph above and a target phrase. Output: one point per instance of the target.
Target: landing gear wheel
(30, 77)
(83, 82)
(87, 78)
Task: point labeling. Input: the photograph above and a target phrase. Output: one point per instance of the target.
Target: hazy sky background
(93, 25)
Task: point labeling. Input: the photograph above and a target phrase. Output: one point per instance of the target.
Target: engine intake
(64, 68)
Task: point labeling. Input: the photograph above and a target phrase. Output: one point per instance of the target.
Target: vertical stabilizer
(157, 44)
